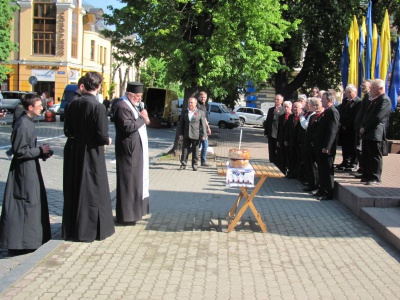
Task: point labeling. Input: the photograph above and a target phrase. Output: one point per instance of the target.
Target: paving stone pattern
(313, 249)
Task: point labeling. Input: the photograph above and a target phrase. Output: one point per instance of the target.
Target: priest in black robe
(87, 214)
(25, 223)
(131, 151)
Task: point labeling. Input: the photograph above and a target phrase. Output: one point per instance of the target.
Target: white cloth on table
(239, 177)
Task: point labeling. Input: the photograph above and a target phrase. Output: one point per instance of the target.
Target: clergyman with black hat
(132, 155)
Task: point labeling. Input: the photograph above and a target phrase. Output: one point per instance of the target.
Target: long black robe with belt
(24, 220)
(131, 206)
(87, 213)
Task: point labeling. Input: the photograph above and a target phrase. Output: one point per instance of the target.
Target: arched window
(44, 27)
(74, 34)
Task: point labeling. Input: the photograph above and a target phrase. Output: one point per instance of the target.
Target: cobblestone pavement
(313, 249)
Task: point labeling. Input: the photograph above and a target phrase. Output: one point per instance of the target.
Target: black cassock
(25, 220)
(130, 206)
(87, 213)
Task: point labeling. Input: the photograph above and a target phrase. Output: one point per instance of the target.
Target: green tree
(153, 74)
(212, 45)
(7, 9)
(320, 37)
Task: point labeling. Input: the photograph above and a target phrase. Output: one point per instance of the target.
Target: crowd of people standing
(303, 136)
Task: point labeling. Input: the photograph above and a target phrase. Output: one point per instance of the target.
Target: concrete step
(385, 221)
(379, 210)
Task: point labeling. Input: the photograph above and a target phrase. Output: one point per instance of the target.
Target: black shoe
(359, 176)
(325, 197)
(341, 167)
(373, 182)
(205, 164)
(290, 176)
(351, 169)
(194, 168)
(364, 180)
(183, 167)
(318, 193)
(309, 189)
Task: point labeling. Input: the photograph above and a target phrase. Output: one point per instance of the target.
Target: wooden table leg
(242, 194)
(249, 200)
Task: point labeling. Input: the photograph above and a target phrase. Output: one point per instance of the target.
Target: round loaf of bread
(236, 153)
(238, 163)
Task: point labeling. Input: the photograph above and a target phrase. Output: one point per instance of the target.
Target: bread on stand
(239, 158)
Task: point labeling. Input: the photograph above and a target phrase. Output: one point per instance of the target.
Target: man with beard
(132, 155)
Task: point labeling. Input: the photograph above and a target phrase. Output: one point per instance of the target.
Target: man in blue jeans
(204, 143)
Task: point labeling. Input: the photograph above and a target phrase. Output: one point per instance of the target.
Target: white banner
(44, 75)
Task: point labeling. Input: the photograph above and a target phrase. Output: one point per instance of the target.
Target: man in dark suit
(283, 127)
(365, 88)
(346, 128)
(325, 146)
(373, 131)
(192, 120)
(295, 136)
(271, 129)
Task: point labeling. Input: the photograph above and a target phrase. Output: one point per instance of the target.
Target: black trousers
(348, 145)
(326, 172)
(372, 152)
(358, 150)
(190, 146)
(273, 151)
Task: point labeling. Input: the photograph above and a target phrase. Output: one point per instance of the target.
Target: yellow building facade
(59, 41)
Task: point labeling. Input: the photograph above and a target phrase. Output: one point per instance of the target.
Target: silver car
(11, 99)
(250, 116)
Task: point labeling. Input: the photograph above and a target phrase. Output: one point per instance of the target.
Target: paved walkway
(313, 249)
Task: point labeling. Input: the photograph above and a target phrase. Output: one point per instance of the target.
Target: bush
(394, 125)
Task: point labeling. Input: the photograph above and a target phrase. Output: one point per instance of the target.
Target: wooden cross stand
(262, 171)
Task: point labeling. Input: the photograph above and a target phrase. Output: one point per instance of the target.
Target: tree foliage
(210, 44)
(154, 74)
(321, 35)
(7, 9)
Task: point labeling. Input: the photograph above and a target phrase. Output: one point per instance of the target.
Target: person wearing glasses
(24, 222)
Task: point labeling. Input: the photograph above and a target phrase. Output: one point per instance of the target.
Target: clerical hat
(134, 87)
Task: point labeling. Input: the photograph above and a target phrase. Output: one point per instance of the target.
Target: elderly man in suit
(346, 128)
(325, 146)
(271, 129)
(192, 120)
(372, 132)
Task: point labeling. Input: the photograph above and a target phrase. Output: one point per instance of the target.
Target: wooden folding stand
(262, 171)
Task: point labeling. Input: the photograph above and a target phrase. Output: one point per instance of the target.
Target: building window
(74, 35)
(105, 56)
(92, 49)
(44, 27)
(101, 55)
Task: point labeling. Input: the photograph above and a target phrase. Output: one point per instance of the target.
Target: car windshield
(224, 109)
(10, 95)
